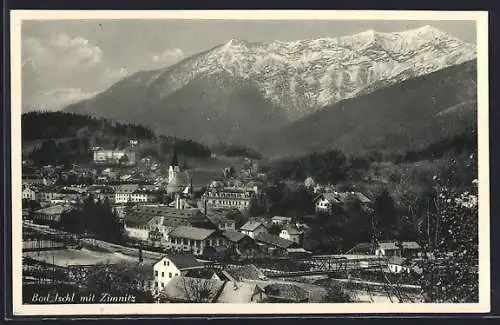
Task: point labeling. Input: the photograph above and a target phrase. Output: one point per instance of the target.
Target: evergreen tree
(386, 215)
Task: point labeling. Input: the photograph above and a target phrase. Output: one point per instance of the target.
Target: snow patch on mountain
(305, 75)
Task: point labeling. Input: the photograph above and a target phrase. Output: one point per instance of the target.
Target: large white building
(194, 239)
(144, 220)
(130, 193)
(229, 197)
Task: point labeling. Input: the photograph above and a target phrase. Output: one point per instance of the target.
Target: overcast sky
(65, 61)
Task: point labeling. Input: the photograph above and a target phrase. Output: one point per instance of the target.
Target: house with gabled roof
(274, 245)
(220, 219)
(281, 220)
(397, 264)
(324, 202)
(170, 266)
(242, 244)
(28, 193)
(51, 214)
(198, 290)
(292, 233)
(253, 228)
(408, 249)
(194, 239)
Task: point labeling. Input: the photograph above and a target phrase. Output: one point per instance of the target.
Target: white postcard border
(483, 306)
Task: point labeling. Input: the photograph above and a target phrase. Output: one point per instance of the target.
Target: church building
(178, 179)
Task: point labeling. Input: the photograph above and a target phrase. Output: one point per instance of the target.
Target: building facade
(194, 239)
(28, 194)
(114, 156)
(171, 266)
(229, 197)
(253, 228)
(292, 233)
(129, 193)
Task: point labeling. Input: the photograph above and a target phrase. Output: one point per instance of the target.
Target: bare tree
(198, 290)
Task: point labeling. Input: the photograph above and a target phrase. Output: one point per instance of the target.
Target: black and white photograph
(335, 161)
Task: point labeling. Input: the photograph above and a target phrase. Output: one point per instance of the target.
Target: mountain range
(239, 91)
(403, 117)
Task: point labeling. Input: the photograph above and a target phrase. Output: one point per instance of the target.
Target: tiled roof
(281, 218)
(184, 261)
(218, 217)
(191, 232)
(126, 188)
(233, 235)
(251, 225)
(53, 210)
(287, 291)
(237, 292)
(410, 245)
(248, 272)
(365, 247)
(274, 240)
(388, 245)
(332, 197)
(341, 197)
(172, 217)
(134, 219)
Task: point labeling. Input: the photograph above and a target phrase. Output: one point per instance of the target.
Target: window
(156, 273)
(162, 274)
(168, 263)
(164, 263)
(162, 284)
(170, 275)
(156, 284)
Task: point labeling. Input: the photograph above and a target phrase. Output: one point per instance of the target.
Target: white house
(253, 228)
(388, 249)
(139, 226)
(403, 249)
(173, 265)
(129, 193)
(325, 201)
(292, 233)
(29, 194)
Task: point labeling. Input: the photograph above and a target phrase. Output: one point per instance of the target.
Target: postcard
(223, 162)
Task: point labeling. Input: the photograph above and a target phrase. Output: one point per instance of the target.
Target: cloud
(56, 99)
(168, 57)
(59, 70)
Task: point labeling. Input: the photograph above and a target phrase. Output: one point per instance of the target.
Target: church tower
(174, 169)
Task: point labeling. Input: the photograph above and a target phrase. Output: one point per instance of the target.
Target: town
(189, 243)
